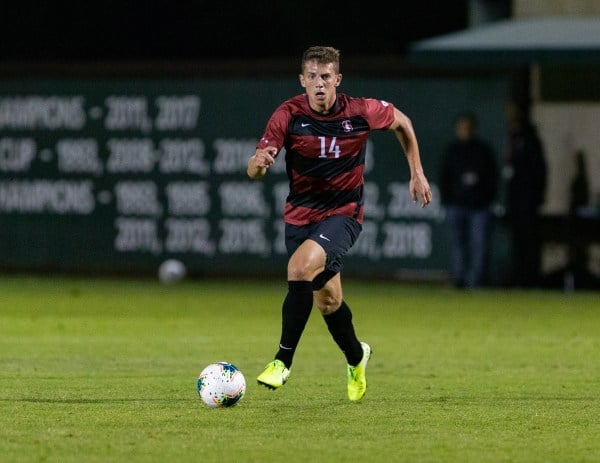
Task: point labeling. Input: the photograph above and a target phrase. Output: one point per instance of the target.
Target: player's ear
(302, 80)
(338, 79)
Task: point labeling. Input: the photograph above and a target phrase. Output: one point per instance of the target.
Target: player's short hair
(322, 55)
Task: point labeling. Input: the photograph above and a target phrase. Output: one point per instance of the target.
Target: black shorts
(336, 235)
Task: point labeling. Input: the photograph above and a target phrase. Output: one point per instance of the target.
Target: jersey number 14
(333, 147)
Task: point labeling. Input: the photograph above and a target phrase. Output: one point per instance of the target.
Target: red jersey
(325, 154)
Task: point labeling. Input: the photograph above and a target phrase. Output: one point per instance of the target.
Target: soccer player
(324, 135)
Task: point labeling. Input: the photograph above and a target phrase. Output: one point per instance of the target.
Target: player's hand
(420, 189)
(265, 157)
(260, 161)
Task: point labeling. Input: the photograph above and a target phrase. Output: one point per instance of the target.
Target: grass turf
(105, 370)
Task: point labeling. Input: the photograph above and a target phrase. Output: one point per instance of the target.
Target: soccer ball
(221, 384)
(171, 271)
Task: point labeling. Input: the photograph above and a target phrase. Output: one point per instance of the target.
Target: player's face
(320, 82)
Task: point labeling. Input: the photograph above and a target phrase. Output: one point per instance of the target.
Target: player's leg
(303, 266)
(306, 261)
(339, 323)
(338, 317)
(336, 235)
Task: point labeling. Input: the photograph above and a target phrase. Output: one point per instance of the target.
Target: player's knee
(300, 271)
(297, 273)
(328, 304)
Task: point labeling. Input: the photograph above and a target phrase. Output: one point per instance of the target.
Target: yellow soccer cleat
(357, 379)
(275, 375)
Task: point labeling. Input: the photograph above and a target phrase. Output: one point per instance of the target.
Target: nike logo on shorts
(322, 236)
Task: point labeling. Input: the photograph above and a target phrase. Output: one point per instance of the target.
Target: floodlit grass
(105, 370)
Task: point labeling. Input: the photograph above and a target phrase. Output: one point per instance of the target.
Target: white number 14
(333, 148)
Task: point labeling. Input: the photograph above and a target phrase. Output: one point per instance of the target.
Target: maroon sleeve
(276, 130)
(379, 113)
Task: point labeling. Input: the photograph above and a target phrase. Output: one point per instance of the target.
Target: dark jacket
(526, 179)
(469, 175)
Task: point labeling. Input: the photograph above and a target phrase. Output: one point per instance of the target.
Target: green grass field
(105, 370)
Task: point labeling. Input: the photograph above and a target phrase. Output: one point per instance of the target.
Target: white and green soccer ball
(171, 271)
(221, 385)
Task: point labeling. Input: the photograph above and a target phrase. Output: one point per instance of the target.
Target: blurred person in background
(324, 135)
(525, 177)
(579, 201)
(469, 184)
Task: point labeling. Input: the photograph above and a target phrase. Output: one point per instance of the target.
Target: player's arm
(258, 163)
(270, 144)
(405, 133)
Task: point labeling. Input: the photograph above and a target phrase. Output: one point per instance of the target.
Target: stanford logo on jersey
(347, 126)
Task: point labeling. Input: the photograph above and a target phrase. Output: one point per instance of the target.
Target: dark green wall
(116, 176)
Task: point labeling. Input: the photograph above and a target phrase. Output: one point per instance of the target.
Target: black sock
(341, 328)
(294, 315)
